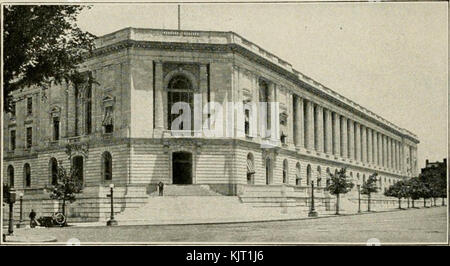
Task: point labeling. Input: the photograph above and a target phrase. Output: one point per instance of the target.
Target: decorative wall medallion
(77, 148)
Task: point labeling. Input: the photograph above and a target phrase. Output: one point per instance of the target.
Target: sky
(391, 58)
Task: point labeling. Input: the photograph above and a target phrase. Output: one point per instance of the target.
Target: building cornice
(232, 42)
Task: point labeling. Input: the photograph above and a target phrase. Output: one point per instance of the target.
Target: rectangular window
(247, 122)
(29, 137)
(13, 109)
(29, 106)
(13, 140)
(55, 128)
(108, 120)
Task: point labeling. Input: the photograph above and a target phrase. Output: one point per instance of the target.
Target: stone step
(188, 208)
(186, 190)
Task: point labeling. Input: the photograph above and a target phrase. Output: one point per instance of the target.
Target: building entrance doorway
(78, 168)
(181, 168)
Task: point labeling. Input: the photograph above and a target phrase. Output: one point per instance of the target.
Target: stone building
(117, 128)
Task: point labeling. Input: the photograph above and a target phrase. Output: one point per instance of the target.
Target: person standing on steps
(32, 218)
(160, 188)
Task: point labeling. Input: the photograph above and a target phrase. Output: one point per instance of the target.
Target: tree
(397, 190)
(66, 187)
(5, 195)
(42, 44)
(369, 187)
(339, 185)
(416, 189)
(435, 180)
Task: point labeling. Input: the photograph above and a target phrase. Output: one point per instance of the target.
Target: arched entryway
(182, 168)
(250, 169)
(78, 167)
(308, 175)
(11, 175)
(53, 171)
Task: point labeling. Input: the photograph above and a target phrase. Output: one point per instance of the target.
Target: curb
(29, 239)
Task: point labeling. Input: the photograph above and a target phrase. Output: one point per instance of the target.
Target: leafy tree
(66, 187)
(5, 195)
(369, 187)
(339, 184)
(399, 191)
(416, 189)
(435, 180)
(42, 43)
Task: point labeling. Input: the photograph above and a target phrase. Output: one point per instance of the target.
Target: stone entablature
(158, 37)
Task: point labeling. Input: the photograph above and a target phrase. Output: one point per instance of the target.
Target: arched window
(364, 178)
(285, 172)
(268, 171)
(298, 178)
(308, 175)
(53, 165)
(250, 169)
(179, 89)
(319, 176)
(27, 175)
(107, 166)
(11, 175)
(328, 177)
(357, 176)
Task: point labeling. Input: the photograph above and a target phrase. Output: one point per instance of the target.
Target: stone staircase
(186, 190)
(187, 204)
(268, 196)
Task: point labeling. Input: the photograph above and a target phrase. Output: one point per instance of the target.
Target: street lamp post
(312, 211)
(111, 220)
(359, 198)
(20, 224)
(12, 200)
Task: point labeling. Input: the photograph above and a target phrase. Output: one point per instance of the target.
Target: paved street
(425, 225)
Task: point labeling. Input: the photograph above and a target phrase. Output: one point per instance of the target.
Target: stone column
(375, 147)
(384, 151)
(369, 146)
(298, 122)
(319, 128)
(328, 132)
(364, 143)
(204, 91)
(380, 149)
(70, 110)
(392, 154)
(159, 101)
(389, 151)
(351, 139)
(309, 130)
(272, 125)
(344, 137)
(396, 154)
(358, 141)
(336, 134)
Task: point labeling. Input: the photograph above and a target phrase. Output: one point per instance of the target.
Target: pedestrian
(32, 218)
(160, 188)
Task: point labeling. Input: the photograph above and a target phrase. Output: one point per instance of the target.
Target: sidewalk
(280, 217)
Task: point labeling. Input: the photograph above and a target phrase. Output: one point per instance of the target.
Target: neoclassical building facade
(117, 128)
